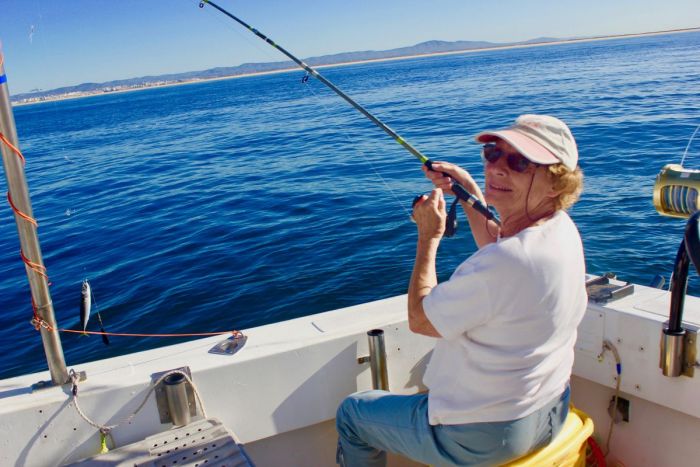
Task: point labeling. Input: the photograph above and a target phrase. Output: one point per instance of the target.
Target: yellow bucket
(568, 449)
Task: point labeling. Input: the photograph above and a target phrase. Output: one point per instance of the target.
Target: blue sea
(230, 204)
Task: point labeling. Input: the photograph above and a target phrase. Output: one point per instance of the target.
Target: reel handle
(467, 197)
(450, 222)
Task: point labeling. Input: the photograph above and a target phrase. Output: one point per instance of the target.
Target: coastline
(357, 62)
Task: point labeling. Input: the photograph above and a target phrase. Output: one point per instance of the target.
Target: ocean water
(235, 203)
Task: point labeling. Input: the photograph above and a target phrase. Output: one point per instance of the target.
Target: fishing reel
(450, 222)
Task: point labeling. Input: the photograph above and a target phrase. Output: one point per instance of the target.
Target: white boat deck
(282, 389)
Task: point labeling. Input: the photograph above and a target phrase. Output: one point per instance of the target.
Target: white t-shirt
(508, 319)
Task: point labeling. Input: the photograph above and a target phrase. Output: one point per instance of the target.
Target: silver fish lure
(85, 310)
(85, 305)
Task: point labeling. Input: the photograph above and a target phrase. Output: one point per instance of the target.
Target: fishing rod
(457, 189)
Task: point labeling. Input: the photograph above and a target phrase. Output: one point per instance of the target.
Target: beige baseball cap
(542, 139)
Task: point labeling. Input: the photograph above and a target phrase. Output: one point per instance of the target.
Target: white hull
(280, 392)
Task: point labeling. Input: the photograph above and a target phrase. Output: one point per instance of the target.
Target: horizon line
(503, 46)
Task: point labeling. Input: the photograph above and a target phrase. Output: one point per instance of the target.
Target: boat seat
(567, 449)
(202, 443)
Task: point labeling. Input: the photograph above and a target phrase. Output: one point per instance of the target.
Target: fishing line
(688, 146)
(456, 188)
(105, 339)
(272, 58)
(37, 22)
(226, 26)
(352, 144)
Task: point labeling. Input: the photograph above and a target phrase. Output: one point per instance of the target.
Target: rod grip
(464, 195)
(480, 207)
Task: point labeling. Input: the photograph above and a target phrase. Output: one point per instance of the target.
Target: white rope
(609, 346)
(105, 429)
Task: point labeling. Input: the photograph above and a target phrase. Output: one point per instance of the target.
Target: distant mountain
(423, 48)
(540, 40)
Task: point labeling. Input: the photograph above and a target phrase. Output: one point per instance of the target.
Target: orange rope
(126, 334)
(36, 267)
(24, 161)
(38, 322)
(24, 216)
(13, 148)
(37, 318)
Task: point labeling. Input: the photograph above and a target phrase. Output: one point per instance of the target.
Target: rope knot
(74, 377)
(39, 323)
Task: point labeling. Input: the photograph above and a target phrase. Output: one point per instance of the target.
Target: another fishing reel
(676, 195)
(676, 191)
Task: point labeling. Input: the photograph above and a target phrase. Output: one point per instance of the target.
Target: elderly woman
(505, 322)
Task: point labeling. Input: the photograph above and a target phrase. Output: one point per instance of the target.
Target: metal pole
(377, 359)
(29, 241)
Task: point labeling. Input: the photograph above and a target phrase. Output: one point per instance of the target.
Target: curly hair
(568, 183)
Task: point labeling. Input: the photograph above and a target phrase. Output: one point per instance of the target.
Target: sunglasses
(516, 162)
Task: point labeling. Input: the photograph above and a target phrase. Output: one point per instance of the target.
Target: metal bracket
(162, 400)
(229, 346)
(601, 290)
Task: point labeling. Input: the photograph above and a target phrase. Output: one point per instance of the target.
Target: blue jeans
(372, 422)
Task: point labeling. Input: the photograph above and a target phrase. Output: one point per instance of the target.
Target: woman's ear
(551, 191)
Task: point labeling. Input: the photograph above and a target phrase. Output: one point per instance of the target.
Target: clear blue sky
(53, 43)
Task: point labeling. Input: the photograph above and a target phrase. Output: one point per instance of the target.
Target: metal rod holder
(678, 348)
(178, 404)
(377, 359)
(671, 361)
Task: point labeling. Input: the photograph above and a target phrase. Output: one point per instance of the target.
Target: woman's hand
(445, 174)
(429, 213)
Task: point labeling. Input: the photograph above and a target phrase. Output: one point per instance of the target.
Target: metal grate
(203, 443)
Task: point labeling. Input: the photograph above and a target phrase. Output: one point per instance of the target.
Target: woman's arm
(429, 214)
(423, 279)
